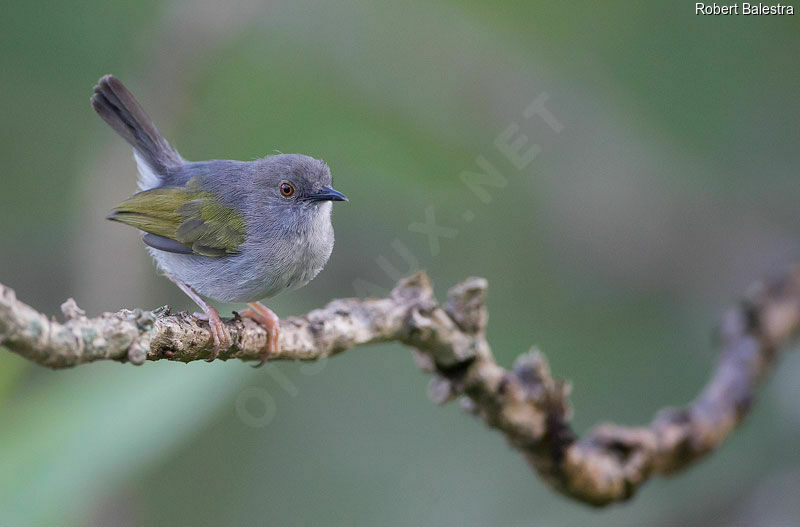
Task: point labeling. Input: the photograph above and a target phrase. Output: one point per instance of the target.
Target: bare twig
(526, 403)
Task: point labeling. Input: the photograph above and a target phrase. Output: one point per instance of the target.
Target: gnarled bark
(527, 404)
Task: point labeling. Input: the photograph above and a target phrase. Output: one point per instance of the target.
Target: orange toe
(267, 319)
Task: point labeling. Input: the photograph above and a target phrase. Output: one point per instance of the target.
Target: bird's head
(295, 181)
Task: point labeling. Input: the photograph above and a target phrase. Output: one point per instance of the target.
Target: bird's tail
(117, 106)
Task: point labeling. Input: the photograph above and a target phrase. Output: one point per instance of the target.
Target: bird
(231, 231)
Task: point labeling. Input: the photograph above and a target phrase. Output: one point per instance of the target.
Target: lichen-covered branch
(528, 405)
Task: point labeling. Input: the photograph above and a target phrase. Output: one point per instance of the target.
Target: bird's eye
(287, 189)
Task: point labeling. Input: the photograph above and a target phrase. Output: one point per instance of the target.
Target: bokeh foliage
(671, 187)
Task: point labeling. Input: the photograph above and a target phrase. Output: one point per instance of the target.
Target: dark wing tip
(117, 215)
(163, 243)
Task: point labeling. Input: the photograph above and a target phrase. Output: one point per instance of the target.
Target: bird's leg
(269, 321)
(222, 339)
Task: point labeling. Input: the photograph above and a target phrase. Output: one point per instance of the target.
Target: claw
(267, 319)
(219, 333)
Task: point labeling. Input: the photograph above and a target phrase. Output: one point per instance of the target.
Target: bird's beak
(327, 194)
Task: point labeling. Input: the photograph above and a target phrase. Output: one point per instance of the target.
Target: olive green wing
(183, 219)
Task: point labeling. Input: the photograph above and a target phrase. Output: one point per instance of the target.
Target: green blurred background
(671, 187)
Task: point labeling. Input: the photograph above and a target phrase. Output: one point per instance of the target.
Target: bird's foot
(219, 333)
(267, 319)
